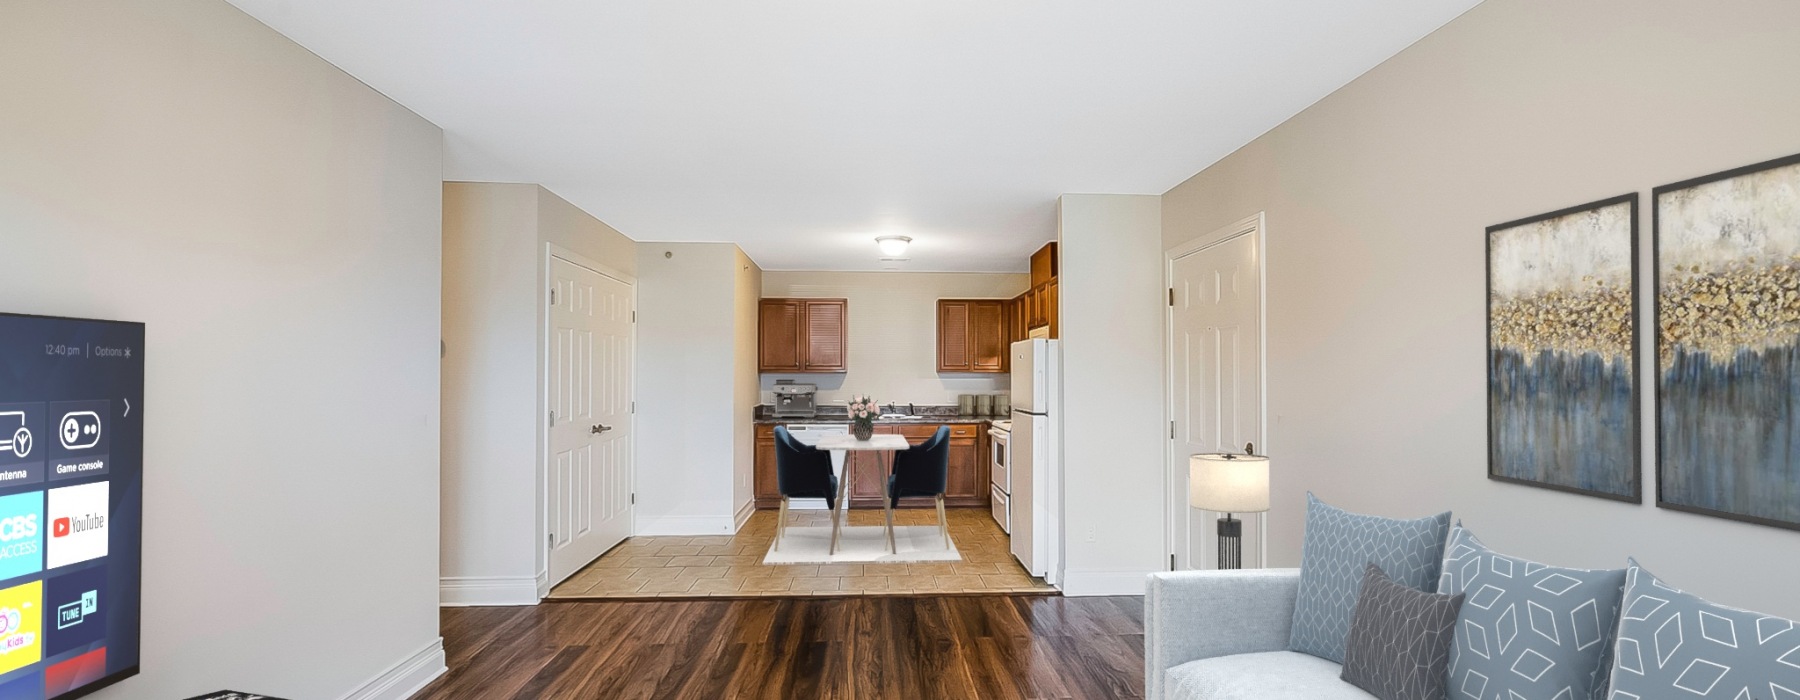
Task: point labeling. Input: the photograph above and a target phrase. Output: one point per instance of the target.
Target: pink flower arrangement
(864, 410)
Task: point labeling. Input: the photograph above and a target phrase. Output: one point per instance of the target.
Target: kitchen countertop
(927, 420)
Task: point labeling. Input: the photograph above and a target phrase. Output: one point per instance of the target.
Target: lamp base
(1231, 543)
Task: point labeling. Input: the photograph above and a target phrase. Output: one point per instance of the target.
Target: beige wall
(275, 224)
(490, 439)
(689, 412)
(745, 391)
(1112, 368)
(893, 332)
(1377, 198)
(577, 231)
(496, 236)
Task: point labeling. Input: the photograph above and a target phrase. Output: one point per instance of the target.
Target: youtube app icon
(78, 528)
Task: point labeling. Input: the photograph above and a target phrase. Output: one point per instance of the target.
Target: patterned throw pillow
(1338, 545)
(1528, 630)
(1678, 645)
(1400, 639)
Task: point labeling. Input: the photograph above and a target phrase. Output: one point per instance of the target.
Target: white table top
(885, 441)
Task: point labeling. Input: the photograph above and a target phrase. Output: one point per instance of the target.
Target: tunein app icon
(75, 610)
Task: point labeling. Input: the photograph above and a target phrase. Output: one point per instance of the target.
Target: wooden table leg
(887, 504)
(843, 502)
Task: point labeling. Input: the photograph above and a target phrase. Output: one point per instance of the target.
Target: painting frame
(1634, 350)
(1657, 313)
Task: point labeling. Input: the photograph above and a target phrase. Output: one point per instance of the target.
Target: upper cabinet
(1043, 265)
(972, 335)
(1037, 307)
(803, 335)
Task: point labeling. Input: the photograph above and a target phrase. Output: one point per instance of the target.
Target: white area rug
(862, 543)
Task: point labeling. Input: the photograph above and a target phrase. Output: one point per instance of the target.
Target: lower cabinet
(767, 490)
(967, 484)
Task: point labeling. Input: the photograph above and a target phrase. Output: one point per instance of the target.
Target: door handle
(598, 429)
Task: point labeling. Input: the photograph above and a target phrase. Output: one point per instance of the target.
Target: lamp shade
(1228, 483)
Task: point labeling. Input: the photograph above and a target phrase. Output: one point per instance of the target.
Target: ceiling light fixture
(893, 246)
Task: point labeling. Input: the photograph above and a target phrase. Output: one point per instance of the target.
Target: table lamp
(1227, 483)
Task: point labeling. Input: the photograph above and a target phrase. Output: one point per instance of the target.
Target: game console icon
(14, 436)
(79, 430)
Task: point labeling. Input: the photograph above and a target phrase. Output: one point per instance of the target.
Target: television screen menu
(71, 495)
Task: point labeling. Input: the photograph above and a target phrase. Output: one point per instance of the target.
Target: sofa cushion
(1269, 675)
(1338, 545)
(1400, 638)
(1532, 630)
(1674, 644)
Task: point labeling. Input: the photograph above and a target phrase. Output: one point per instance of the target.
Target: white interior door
(589, 479)
(1215, 357)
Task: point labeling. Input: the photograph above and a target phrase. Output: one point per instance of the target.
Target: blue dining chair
(922, 471)
(803, 471)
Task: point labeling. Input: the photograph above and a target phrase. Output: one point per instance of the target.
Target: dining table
(846, 444)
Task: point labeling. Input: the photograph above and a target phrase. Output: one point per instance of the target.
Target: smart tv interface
(71, 502)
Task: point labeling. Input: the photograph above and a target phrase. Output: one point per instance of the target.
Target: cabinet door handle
(598, 429)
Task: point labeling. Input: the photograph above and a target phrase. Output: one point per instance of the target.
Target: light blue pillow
(1677, 645)
(1526, 629)
(1339, 547)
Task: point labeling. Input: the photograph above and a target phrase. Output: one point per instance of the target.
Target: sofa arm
(1191, 615)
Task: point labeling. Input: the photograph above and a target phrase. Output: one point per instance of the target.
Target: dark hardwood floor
(911, 648)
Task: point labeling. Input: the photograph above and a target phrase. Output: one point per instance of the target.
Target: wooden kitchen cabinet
(803, 335)
(766, 488)
(967, 484)
(1043, 265)
(1038, 306)
(972, 335)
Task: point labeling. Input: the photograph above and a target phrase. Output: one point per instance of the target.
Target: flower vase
(862, 431)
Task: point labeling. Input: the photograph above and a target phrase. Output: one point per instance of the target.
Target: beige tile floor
(731, 565)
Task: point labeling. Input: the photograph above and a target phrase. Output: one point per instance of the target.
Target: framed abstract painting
(1562, 350)
(1728, 343)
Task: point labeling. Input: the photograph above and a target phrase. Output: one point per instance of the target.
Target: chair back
(801, 471)
(923, 470)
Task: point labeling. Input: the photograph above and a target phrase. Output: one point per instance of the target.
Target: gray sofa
(1223, 635)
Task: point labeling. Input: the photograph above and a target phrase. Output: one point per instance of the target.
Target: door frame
(1174, 465)
(553, 251)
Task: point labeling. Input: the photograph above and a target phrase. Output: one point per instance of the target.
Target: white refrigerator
(1036, 457)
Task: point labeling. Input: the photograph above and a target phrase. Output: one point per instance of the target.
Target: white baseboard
(743, 515)
(691, 525)
(458, 591)
(408, 676)
(1086, 583)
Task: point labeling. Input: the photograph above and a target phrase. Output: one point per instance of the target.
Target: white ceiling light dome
(893, 246)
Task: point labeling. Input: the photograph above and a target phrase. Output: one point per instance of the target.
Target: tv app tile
(73, 603)
(78, 524)
(21, 634)
(21, 534)
(64, 676)
(29, 686)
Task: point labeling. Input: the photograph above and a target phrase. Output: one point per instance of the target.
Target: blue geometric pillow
(1527, 630)
(1338, 548)
(1678, 645)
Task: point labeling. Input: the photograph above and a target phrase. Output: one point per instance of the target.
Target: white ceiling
(801, 129)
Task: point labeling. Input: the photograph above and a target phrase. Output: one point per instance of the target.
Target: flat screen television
(71, 504)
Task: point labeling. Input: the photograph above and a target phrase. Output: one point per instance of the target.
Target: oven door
(998, 472)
